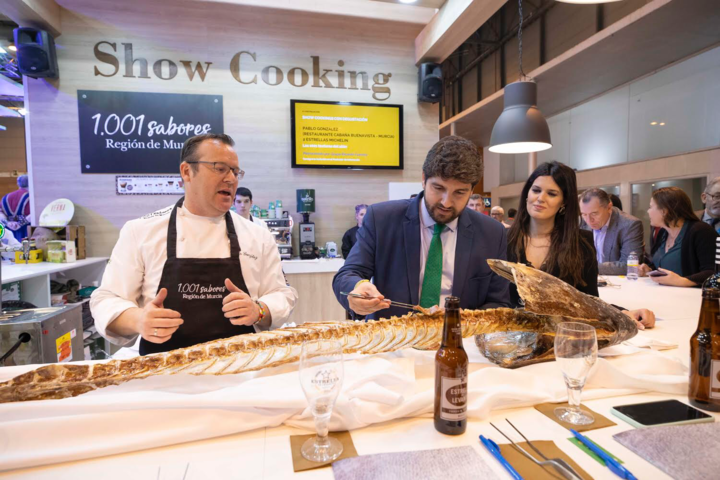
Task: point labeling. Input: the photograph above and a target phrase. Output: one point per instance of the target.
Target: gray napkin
(458, 463)
(682, 451)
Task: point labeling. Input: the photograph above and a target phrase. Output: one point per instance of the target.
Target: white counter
(319, 265)
(35, 277)
(22, 271)
(313, 281)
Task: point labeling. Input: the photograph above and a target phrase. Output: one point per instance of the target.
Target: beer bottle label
(715, 380)
(453, 399)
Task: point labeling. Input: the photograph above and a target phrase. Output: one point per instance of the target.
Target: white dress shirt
(599, 238)
(449, 240)
(133, 274)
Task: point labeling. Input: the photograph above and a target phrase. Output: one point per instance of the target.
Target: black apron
(196, 288)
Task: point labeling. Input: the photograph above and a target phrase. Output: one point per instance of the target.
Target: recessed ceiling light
(408, 1)
(662, 123)
(12, 48)
(653, 123)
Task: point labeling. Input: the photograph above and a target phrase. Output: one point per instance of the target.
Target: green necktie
(432, 280)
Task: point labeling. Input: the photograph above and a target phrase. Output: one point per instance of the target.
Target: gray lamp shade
(521, 127)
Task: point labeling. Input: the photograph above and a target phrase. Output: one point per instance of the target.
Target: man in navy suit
(422, 250)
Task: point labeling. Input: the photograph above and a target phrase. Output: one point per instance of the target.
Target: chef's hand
(645, 318)
(157, 324)
(365, 307)
(239, 307)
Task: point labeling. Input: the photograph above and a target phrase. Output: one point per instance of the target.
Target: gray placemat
(458, 463)
(683, 452)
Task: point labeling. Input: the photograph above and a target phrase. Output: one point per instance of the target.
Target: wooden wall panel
(256, 116)
(615, 11)
(568, 25)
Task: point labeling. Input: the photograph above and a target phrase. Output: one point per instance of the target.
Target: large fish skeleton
(548, 302)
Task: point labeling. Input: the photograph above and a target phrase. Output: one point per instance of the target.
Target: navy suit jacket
(388, 251)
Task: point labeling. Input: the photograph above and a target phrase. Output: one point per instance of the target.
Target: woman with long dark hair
(546, 234)
(685, 247)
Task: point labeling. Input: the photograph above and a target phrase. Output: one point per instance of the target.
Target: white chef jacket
(133, 274)
(260, 222)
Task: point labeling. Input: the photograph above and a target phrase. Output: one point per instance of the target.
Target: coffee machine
(281, 228)
(306, 206)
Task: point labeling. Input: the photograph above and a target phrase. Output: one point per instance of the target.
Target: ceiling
(420, 13)
(418, 3)
(656, 35)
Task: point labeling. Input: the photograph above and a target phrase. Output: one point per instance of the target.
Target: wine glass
(321, 376)
(576, 353)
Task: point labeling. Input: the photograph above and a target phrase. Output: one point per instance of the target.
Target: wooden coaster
(529, 469)
(300, 463)
(548, 409)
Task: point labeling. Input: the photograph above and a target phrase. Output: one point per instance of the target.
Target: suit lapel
(610, 235)
(411, 229)
(463, 245)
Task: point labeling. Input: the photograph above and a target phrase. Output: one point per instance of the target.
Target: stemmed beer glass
(321, 376)
(576, 352)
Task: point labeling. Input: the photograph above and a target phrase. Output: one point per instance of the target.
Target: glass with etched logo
(321, 377)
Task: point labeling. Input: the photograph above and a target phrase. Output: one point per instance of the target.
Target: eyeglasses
(713, 198)
(223, 168)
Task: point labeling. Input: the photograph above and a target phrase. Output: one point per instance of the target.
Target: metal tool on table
(569, 474)
(394, 304)
(558, 460)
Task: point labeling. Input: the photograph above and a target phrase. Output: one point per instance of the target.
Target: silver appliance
(281, 228)
(55, 335)
(307, 238)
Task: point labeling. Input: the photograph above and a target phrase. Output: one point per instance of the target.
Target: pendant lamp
(521, 128)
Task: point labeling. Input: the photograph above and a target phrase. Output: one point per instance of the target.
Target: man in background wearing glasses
(711, 199)
(193, 272)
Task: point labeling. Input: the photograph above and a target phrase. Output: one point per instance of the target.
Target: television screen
(346, 135)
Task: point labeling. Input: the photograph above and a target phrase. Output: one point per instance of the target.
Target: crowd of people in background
(579, 241)
(598, 237)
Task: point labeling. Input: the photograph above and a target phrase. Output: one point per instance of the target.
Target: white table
(35, 277)
(265, 453)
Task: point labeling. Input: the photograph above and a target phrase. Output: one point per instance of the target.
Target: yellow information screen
(346, 135)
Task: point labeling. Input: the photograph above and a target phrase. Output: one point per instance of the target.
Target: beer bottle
(451, 370)
(704, 385)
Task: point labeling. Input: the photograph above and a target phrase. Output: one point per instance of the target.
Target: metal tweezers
(394, 304)
(560, 465)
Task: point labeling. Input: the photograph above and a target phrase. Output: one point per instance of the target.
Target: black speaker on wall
(35, 53)
(430, 83)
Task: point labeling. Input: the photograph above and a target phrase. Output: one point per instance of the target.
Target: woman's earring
(562, 210)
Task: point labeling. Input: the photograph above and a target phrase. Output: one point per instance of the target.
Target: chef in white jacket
(193, 272)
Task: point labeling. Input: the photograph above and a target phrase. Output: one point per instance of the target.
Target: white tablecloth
(168, 410)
